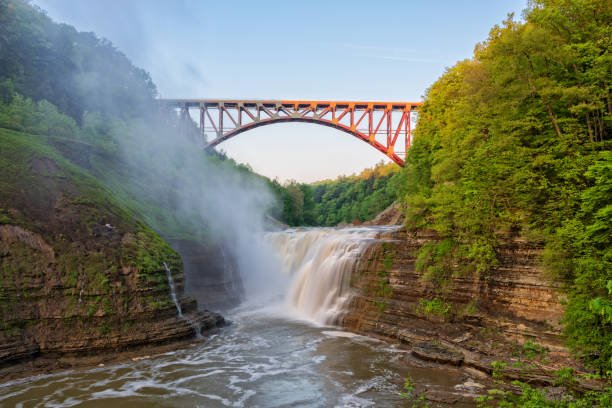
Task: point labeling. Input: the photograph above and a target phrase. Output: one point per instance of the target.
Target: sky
(357, 50)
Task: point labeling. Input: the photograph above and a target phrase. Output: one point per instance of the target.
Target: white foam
(320, 261)
(338, 333)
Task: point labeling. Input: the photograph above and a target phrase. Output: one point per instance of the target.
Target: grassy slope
(29, 190)
(46, 195)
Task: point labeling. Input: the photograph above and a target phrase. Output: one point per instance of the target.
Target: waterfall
(196, 327)
(320, 261)
(173, 291)
(82, 286)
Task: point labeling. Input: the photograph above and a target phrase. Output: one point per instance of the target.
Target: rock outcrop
(211, 274)
(511, 313)
(392, 215)
(79, 272)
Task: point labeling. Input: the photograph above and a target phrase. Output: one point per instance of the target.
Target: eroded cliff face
(79, 273)
(55, 303)
(211, 274)
(470, 320)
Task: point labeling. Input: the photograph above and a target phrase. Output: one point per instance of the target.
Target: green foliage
(383, 288)
(516, 142)
(469, 309)
(75, 71)
(530, 397)
(388, 260)
(380, 305)
(532, 350)
(297, 204)
(41, 118)
(498, 369)
(408, 388)
(344, 200)
(359, 197)
(584, 260)
(437, 261)
(564, 377)
(435, 306)
(409, 393)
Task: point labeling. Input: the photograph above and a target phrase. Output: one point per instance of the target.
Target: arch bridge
(383, 125)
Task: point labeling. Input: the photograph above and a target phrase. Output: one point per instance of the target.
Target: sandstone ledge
(23, 360)
(489, 319)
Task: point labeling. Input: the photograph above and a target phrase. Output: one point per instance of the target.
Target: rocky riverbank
(504, 323)
(81, 275)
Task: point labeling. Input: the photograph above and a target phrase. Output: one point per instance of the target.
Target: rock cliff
(470, 320)
(211, 274)
(79, 273)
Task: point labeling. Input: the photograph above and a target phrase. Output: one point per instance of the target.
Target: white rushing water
(173, 291)
(259, 361)
(320, 262)
(179, 311)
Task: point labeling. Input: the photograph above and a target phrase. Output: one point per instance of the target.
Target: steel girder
(380, 124)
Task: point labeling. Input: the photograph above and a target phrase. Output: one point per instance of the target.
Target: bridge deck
(271, 103)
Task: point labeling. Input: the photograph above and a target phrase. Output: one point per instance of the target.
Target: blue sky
(341, 50)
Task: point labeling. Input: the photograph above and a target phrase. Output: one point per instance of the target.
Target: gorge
(140, 266)
(283, 337)
(328, 280)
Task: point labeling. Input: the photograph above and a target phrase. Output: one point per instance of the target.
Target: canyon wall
(211, 274)
(79, 272)
(470, 319)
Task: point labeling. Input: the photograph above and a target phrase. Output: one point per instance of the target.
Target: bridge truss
(383, 125)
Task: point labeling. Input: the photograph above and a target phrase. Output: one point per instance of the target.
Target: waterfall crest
(320, 262)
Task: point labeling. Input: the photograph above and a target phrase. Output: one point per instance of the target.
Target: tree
(508, 143)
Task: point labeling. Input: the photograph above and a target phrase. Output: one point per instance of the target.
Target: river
(280, 351)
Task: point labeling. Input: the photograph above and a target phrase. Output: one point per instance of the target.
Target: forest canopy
(516, 142)
(345, 200)
(75, 71)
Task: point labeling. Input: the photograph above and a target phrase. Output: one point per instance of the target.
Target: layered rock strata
(510, 314)
(78, 272)
(50, 308)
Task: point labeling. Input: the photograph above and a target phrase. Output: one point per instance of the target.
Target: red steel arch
(371, 122)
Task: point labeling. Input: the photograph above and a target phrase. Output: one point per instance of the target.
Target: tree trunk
(590, 130)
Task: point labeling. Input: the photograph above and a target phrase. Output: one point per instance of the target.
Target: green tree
(516, 141)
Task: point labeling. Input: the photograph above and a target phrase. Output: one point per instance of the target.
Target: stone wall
(211, 274)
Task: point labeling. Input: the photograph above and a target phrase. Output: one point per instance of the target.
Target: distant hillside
(356, 198)
(75, 71)
(359, 197)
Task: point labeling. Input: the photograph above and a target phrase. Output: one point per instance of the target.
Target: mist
(195, 196)
(154, 162)
(152, 159)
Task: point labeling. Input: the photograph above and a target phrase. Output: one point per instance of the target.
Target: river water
(279, 352)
